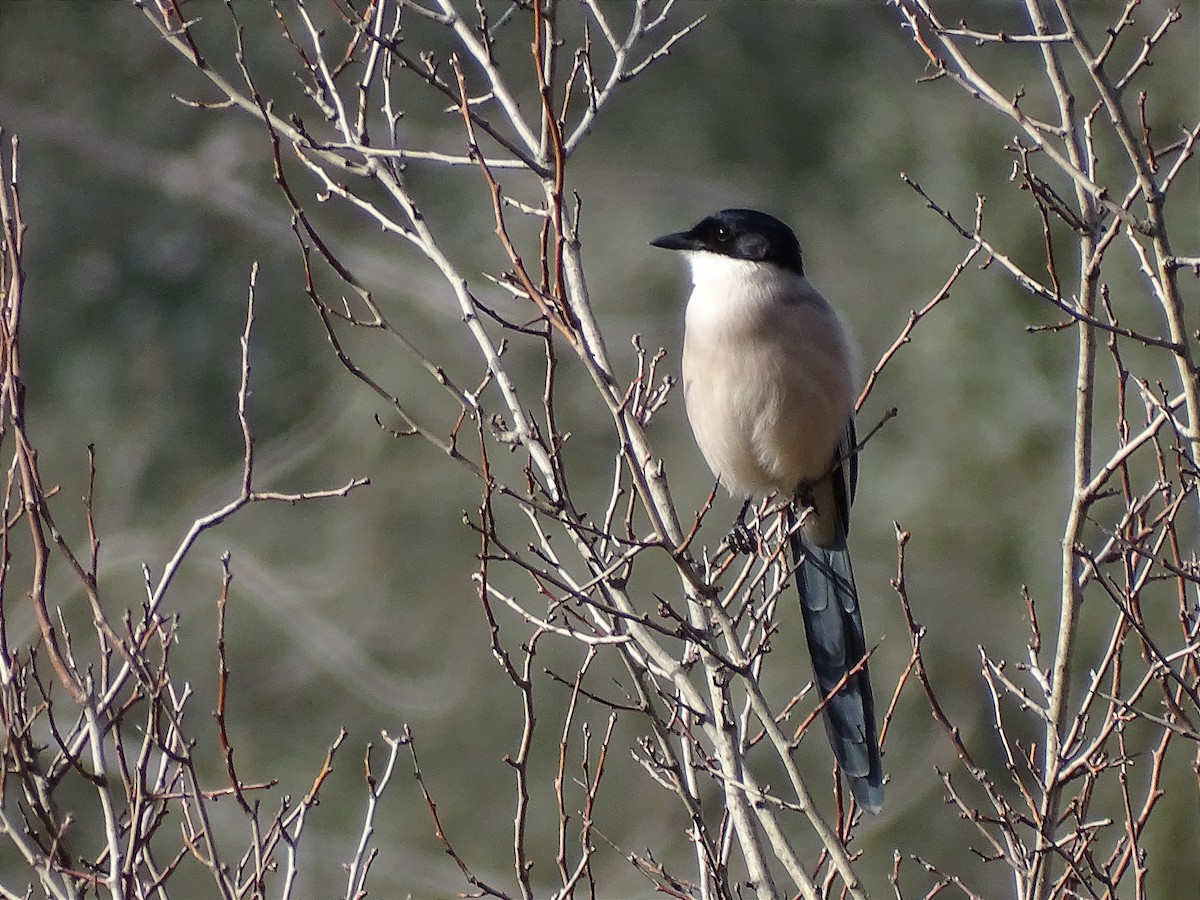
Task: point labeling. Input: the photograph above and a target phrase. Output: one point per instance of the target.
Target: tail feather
(837, 645)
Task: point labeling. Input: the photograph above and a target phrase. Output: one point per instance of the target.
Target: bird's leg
(804, 500)
(804, 495)
(740, 539)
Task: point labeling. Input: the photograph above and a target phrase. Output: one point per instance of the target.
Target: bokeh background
(145, 217)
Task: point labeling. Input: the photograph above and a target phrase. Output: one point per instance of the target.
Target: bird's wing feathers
(848, 453)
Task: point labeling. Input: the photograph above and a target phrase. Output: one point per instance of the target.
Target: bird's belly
(764, 422)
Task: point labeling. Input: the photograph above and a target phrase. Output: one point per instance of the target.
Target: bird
(769, 372)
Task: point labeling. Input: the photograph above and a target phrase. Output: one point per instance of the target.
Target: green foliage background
(145, 216)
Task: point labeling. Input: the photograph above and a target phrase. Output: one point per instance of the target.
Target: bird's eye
(723, 233)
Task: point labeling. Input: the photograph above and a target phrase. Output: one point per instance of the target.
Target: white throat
(713, 268)
(724, 287)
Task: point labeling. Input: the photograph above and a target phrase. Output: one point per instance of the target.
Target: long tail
(833, 626)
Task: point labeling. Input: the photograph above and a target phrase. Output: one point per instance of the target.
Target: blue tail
(834, 628)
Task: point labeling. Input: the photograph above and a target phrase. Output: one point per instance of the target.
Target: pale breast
(768, 387)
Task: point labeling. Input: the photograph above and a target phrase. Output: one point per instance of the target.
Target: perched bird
(768, 375)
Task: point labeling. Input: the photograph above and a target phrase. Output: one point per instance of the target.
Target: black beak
(680, 240)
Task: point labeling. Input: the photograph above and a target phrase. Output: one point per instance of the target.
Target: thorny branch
(586, 581)
(521, 88)
(119, 730)
(1083, 763)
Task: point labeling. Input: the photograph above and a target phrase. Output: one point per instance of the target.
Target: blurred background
(145, 216)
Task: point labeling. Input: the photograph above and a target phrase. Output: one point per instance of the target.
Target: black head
(740, 234)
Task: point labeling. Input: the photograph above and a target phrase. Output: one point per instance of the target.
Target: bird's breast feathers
(768, 375)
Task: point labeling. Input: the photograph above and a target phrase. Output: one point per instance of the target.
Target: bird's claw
(740, 540)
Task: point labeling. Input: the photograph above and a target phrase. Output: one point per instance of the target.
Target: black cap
(740, 234)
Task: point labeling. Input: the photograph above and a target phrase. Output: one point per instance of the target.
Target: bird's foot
(805, 496)
(741, 539)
